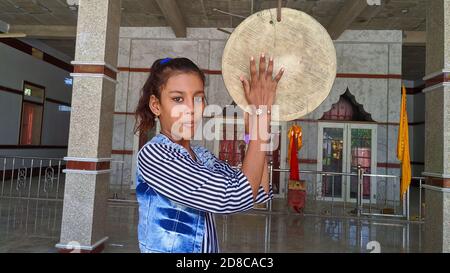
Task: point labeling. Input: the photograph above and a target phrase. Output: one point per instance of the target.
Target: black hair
(160, 72)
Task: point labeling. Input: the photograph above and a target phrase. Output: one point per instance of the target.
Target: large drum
(299, 43)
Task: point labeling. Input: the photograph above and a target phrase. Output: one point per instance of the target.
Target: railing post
(332, 193)
(4, 171)
(57, 182)
(31, 178)
(112, 183)
(12, 176)
(270, 182)
(359, 195)
(122, 190)
(407, 204)
(420, 199)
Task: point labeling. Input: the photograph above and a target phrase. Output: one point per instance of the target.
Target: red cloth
(294, 174)
(296, 193)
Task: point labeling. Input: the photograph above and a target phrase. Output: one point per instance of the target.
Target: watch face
(259, 111)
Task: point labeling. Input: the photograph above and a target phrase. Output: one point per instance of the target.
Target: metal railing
(328, 193)
(352, 194)
(42, 178)
(34, 218)
(32, 178)
(118, 189)
(353, 236)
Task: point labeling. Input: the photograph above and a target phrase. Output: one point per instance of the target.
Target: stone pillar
(437, 128)
(91, 123)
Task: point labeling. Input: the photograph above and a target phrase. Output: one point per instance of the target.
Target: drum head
(299, 43)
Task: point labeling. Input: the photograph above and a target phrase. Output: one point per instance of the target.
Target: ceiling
(408, 15)
(395, 14)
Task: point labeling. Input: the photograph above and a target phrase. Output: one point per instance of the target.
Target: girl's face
(181, 105)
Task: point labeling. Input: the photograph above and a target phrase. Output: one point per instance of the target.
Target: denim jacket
(164, 225)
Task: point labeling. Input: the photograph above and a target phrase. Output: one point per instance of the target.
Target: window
(32, 114)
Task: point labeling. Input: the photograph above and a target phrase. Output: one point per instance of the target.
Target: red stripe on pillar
(88, 166)
(438, 182)
(444, 77)
(95, 69)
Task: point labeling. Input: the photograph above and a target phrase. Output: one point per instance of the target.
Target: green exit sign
(27, 91)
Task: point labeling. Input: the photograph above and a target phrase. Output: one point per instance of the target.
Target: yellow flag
(403, 147)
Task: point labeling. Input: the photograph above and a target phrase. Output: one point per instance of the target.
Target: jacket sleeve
(227, 169)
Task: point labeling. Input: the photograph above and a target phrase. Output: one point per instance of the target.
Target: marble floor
(34, 226)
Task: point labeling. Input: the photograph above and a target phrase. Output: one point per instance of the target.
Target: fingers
(246, 85)
(270, 69)
(262, 66)
(279, 75)
(253, 74)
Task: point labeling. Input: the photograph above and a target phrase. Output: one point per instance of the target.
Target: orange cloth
(403, 147)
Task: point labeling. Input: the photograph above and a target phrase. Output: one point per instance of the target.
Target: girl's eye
(178, 99)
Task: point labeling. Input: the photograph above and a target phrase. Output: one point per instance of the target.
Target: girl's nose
(197, 104)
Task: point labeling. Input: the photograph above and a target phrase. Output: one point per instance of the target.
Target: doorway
(342, 147)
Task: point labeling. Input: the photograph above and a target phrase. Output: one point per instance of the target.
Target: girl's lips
(188, 124)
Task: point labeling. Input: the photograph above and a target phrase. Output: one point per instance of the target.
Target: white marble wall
(365, 52)
(358, 52)
(374, 53)
(368, 52)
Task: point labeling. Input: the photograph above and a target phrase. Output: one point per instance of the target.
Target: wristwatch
(259, 111)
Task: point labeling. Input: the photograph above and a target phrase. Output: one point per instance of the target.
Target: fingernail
(262, 54)
(251, 58)
(271, 59)
(282, 68)
(241, 78)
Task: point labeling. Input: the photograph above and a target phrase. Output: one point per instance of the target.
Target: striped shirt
(207, 183)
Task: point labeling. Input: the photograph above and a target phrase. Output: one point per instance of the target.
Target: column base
(437, 219)
(73, 247)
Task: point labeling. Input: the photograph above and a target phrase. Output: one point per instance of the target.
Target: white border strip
(434, 87)
(95, 63)
(86, 159)
(75, 247)
(438, 175)
(93, 75)
(85, 172)
(434, 188)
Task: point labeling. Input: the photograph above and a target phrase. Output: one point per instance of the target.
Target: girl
(180, 186)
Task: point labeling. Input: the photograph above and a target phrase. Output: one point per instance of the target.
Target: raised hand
(261, 89)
